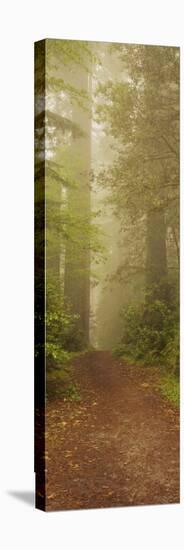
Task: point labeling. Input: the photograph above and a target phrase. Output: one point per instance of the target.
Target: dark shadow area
(26, 496)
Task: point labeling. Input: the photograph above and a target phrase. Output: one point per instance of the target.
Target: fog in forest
(111, 137)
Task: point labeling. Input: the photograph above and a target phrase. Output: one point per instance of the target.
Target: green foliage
(63, 339)
(59, 385)
(141, 112)
(72, 392)
(56, 355)
(170, 388)
(150, 334)
(170, 354)
(62, 334)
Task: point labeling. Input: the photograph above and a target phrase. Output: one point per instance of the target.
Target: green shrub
(150, 334)
(170, 388)
(170, 354)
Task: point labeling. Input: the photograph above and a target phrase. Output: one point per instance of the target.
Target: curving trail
(118, 446)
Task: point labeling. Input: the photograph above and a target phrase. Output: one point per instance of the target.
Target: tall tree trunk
(156, 256)
(77, 258)
(53, 212)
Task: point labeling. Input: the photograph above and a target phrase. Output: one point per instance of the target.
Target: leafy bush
(62, 336)
(59, 384)
(150, 334)
(63, 339)
(170, 354)
(170, 388)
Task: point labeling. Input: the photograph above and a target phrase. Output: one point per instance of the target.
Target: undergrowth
(169, 387)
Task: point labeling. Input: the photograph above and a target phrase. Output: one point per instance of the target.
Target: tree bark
(77, 256)
(156, 256)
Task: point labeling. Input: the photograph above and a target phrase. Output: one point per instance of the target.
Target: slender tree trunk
(156, 260)
(176, 242)
(53, 207)
(77, 258)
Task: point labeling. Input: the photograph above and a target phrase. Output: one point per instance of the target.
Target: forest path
(117, 446)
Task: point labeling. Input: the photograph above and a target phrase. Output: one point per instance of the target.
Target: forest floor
(118, 445)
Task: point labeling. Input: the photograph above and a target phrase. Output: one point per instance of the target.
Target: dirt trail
(118, 446)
